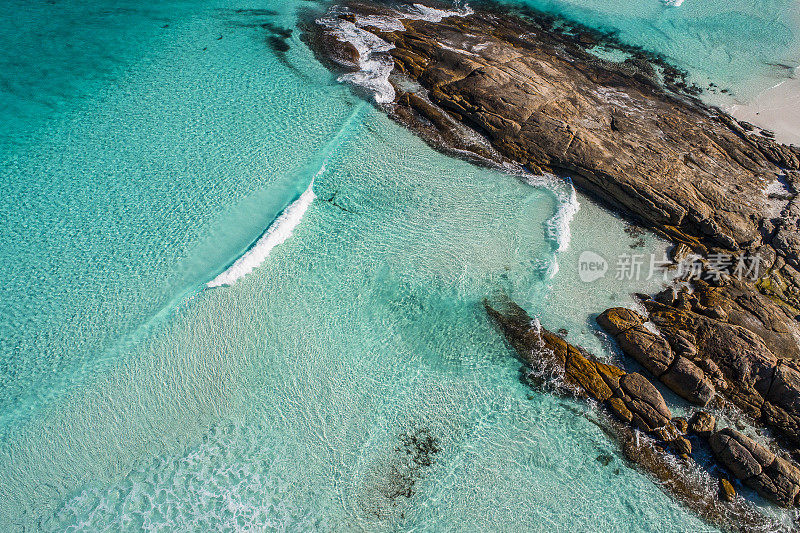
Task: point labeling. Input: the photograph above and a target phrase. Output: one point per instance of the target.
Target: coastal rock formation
(773, 477)
(652, 351)
(719, 356)
(702, 424)
(630, 397)
(527, 89)
(637, 405)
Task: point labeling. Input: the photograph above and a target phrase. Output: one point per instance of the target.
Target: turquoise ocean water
(146, 147)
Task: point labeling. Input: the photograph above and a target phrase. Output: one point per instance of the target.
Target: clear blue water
(142, 154)
(737, 44)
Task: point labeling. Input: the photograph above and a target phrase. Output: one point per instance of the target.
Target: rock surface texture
(771, 476)
(525, 92)
(697, 356)
(638, 406)
(624, 132)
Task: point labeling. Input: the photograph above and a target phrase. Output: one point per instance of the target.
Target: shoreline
(502, 89)
(775, 109)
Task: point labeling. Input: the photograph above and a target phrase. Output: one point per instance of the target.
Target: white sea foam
(673, 3)
(280, 230)
(385, 23)
(374, 63)
(567, 210)
(558, 226)
(421, 12)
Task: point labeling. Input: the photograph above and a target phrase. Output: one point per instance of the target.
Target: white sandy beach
(777, 109)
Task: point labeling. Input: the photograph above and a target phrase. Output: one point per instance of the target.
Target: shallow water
(743, 46)
(140, 162)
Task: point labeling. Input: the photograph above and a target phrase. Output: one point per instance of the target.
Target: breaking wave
(557, 227)
(375, 64)
(421, 12)
(280, 230)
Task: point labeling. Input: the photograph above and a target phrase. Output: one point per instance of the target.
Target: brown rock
(542, 100)
(785, 389)
(639, 388)
(688, 381)
(726, 490)
(618, 408)
(619, 319)
(729, 447)
(649, 349)
(681, 424)
(702, 424)
(584, 372)
(682, 446)
(680, 252)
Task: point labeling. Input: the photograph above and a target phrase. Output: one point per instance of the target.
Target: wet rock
(584, 372)
(702, 424)
(636, 403)
(726, 490)
(619, 319)
(743, 457)
(649, 349)
(653, 352)
(630, 397)
(736, 362)
(773, 477)
(618, 408)
(681, 424)
(649, 409)
(680, 252)
(541, 99)
(682, 446)
(688, 381)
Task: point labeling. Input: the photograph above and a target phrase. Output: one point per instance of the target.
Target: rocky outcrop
(719, 356)
(529, 88)
(653, 352)
(526, 91)
(636, 405)
(702, 424)
(706, 328)
(630, 397)
(773, 477)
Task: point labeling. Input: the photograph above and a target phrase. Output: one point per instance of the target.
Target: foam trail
(557, 227)
(567, 210)
(284, 224)
(421, 12)
(277, 233)
(374, 63)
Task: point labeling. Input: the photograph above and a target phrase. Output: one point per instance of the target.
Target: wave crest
(280, 230)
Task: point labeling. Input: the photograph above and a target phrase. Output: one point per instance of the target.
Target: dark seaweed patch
(417, 451)
(277, 37)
